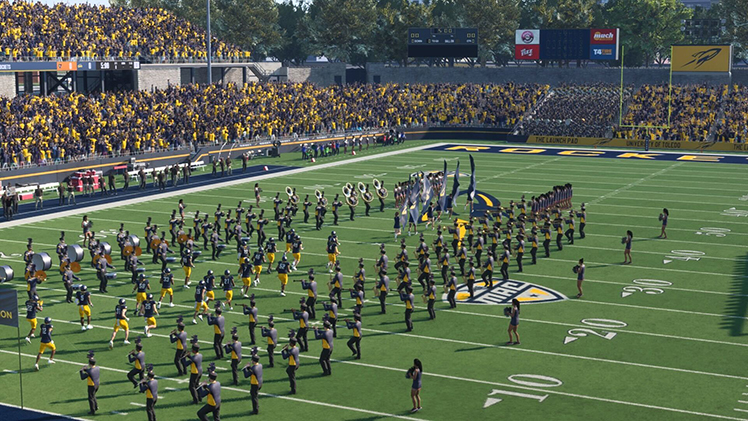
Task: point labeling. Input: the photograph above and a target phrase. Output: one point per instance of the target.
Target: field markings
(234, 389)
(572, 356)
(431, 374)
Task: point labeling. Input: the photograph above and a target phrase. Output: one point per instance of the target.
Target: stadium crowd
(74, 126)
(35, 31)
(693, 111)
(732, 126)
(576, 110)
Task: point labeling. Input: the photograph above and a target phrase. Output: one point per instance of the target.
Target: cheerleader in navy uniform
(663, 217)
(627, 251)
(415, 373)
(398, 230)
(514, 322)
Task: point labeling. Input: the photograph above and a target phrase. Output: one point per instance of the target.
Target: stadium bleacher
(693, 111)
(35, 31)
(576, 110)
(732, 125)
(74, 126)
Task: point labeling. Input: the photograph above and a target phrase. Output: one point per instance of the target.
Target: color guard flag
(471, 187)
(456, 185)
(443, 190)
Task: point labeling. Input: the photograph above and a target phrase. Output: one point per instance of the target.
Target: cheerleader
(627, 251)
(663, 217)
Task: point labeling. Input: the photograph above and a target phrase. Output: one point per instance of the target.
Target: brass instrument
(318, 194)
(361, 187)
(347, 191)
(289, 192)
(351, 198)
(366, 195)
(381, 191)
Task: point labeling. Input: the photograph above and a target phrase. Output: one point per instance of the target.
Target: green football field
(662, 338)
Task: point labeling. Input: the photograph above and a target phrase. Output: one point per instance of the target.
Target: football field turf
(662, 338)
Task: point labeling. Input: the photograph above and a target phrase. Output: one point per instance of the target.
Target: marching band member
(235, 348)
(383, 286)
(272, 334)
(327, 346)
(311, 288)
(195, 362)
(336, 282)
(430, 295)
(255, 380)
(332, 315)
(291, 353)
(90, 373)
(150, 385)
(451, 286)
(627, 251)
(179, 336)
(137, 357)
(520, 251)
(301, 335)
(408, 299)
(251, 311)
(218, 322)
(355, 340)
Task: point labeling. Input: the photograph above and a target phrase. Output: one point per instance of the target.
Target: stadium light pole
(210, 74)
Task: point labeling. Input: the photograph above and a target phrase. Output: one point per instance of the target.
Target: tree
(648, 28)
(735, 13)
(393, 22)
(251, 24)
(295, 44)
(496, 21)
(343, 29)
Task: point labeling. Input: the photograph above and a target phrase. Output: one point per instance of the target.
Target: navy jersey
(210, 282)
(46, 333)
(167, 280)
(282, 267)
(119, 312)
(227, 282)
(142, 285)
(149, 308)
(258, 257)
(31, 308)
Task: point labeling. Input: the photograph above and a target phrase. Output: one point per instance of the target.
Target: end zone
(594, 153)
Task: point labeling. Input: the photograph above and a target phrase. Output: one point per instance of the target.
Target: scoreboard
(68, 66)
(442, 42)
(567, 44)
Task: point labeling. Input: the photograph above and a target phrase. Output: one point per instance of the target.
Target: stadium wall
(58, 173)
(379, 73)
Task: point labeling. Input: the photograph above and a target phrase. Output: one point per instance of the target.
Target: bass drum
(75, 253)
(106, 247)
(135, 241)
(6, 273)
(42, 261)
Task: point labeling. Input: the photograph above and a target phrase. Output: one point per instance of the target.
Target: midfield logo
(504, 291)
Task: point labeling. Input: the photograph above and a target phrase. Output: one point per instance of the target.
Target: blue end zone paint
(26, 208)
(597, 153)
(18, 414)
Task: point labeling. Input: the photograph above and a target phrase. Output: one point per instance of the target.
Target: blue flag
(443, 190)
(456, 185)
(471, 187)
(9, 307)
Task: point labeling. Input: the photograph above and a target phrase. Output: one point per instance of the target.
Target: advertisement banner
(604, 36)
(638, 143)
(527, 37)
(527, 52)
(603, 52)
(701, 58)
(9, 307)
